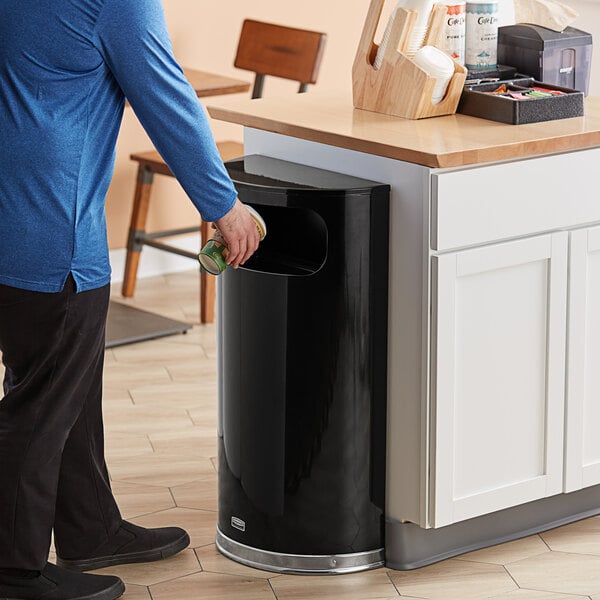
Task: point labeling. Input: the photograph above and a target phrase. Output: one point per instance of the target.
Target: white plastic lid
(434, 62)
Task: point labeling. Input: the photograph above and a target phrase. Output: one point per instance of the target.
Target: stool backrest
(279, 51)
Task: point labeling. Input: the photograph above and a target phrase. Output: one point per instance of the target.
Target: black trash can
(302, 348)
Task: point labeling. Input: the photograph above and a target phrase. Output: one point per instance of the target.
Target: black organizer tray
(476, 103)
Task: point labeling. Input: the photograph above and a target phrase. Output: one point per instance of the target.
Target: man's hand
(241, 234)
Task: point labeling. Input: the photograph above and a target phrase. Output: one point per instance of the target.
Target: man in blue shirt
(65, 70)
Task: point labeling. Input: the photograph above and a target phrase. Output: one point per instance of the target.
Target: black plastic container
(498, 72)
(477, 101)
(559, 58)
(302, 337)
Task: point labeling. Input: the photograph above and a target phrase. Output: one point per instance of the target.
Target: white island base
(493, 412)
(494, 276)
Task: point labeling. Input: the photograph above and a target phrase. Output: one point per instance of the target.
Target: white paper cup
(416, 40)
(423, 8)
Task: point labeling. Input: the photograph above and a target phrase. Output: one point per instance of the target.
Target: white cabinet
(497, 376)
(582, 447)
(514, 405)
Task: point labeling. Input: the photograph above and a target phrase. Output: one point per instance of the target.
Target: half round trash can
(302, 351)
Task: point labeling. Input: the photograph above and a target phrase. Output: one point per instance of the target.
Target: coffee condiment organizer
(399, 87)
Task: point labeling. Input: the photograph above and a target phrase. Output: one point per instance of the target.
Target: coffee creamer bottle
(453, 39)
(481, 49)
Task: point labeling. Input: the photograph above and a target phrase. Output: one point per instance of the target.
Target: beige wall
(205, 37)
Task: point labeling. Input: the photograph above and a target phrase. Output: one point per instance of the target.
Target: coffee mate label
(454, 32)
(481, 47)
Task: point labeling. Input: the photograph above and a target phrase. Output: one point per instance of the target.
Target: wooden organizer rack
(400, 87)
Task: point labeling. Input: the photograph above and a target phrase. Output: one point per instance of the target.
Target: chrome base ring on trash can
(334, 564)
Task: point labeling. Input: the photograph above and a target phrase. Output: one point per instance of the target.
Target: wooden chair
(265, 49)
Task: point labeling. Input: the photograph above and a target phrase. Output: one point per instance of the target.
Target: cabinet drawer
(486, 204)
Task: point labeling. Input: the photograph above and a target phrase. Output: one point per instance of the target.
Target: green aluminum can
(213, 254)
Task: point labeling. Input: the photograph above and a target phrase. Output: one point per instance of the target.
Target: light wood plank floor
(160, 413)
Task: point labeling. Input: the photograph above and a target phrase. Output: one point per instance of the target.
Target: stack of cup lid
(437, 64)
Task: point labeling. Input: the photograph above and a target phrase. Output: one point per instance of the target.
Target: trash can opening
(296, 243)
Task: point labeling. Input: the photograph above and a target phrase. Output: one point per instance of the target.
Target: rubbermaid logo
(238, 524)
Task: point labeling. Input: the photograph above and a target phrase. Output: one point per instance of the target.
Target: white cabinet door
(582, 447)
(497, 376)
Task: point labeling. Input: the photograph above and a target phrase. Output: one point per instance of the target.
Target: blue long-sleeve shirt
(65, 70)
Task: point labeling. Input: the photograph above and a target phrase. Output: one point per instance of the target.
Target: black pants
(52, 469)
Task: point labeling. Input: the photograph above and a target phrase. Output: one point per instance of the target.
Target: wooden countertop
(449, 141)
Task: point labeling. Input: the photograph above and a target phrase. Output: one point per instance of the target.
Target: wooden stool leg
(207, 284)
(139, 215)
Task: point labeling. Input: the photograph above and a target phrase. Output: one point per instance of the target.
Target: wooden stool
(265, 49)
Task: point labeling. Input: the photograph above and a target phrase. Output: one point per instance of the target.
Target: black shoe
(131, 544)
(54, 583)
